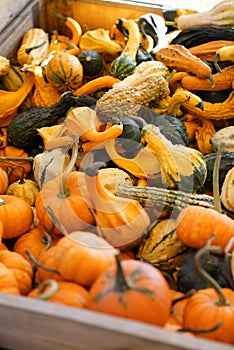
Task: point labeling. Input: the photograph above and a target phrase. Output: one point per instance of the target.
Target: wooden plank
(13, 33)
(27, 324)
(92, 14)
(10, 10)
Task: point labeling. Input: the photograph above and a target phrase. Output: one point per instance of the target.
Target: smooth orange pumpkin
(132, 289)
(16, 216)
(196, 224)
(82, 257)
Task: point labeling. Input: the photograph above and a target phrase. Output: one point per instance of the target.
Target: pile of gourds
(116, 165)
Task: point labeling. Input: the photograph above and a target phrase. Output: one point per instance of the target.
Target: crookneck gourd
(182, 167)
(122, 222)
(125, 64)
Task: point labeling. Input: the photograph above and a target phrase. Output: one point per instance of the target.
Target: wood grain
(27, 324)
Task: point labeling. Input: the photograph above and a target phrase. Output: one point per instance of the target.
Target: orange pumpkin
(210, 308)
(68, 208)
(4, 181)
(45, 268)
(62, 292)
(16, 216)
(81, 257)
(133, 289)
(196, 224)
(64, 72)
(36, 241)
(21, 268)
(8, 282)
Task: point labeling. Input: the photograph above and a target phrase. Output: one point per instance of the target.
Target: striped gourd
(64, 72)
(161, 247)
(122, 67)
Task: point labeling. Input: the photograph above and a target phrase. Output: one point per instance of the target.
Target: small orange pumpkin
(81, 257)
(16, 216)
(36, 240)
(196, 224)
(133, 289)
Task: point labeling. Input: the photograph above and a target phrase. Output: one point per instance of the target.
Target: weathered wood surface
(26, 17)
(27, 324)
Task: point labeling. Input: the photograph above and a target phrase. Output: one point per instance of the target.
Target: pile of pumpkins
(116, 165)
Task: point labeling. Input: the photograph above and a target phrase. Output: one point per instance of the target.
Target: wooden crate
(28, 324)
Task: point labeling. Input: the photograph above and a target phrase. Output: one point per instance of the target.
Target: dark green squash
(201, 35)
(22, 130)
(91, 61)
(122, 67)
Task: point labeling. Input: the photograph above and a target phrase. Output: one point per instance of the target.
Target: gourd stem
(18, 159)
(46, 294)
(46, 239)
(29, 49)
(216, 250)
(217, 202)
(64, 191)
(121, 284)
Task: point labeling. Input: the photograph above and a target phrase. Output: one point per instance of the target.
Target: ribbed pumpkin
(133, 289)
(21, 268)
(16, 216)
(8, 282)
(64, 72)
(36, 241)
(82, 257)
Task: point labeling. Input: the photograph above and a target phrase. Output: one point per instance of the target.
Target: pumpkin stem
(38, 265)
(21, 180)
(46, 294)
(217, 202)
(121, 284)
(55, 221)
(187, 295)
(222, 301)
(64, 191)
(197, 331)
